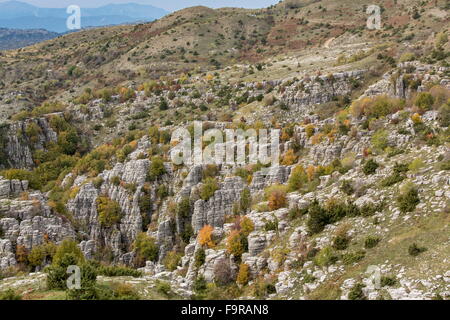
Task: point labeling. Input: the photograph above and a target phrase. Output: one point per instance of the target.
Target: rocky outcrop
(18, 145)
(12, 188)
(213, 210)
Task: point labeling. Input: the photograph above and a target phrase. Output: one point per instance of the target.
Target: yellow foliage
(205, 236)
(289, 158)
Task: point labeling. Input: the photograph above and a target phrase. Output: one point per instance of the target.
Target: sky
(170, 5)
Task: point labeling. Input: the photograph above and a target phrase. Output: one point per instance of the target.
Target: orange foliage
(205, 236)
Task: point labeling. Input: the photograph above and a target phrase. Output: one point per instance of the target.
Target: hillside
(14, 38)
(358, 207)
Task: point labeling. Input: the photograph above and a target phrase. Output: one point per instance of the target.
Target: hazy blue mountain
(13, 38)
(19, 15)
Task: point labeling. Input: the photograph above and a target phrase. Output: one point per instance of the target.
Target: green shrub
(415, 250)
(392, 179)
(444, 115)
(325, 257)
(109, 212)
(388, 281)
(353, 257)
(118, 271)
(408, 200)
(200, 257)
(172, 260)
(10, 294)
(68, 247)
(163, 287)
(184, 208)
(370, 167)
(380, 139)
(347, 187)
(146, 248)
(318, 218)
(356, 293)
(208, 188)
(341, 242)
(245, 200)
(371, 242)
(424, 100)
(156, 169)
(200, 285)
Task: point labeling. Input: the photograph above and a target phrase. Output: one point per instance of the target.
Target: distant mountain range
(19, 15)
(17, 38)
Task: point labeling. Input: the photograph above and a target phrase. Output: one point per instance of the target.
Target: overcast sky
(169, 5)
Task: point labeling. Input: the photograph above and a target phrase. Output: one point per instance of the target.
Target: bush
(244, 274)
(200, 257)
(388, 281)
(392, 179)
(163, 287)
(347, 187)
(208, 188)
(318, 218)
(380, 139)
(247, 226)
(146, 248)
(184, 208)
(276, 195)
(408, 200)
(200, 285)
(10, 294)
(356, 293)
(118, 271)
(370, 167)
(444, 115)
(341, 242)
(205, 236)
(109, 212)
(424, 100)
(172, 260)
(68, 247)
(245, 200)
(353, 257)
(416, 164)
(371, 242)
(156, 169)
(325, 257)
(297, 179)
(236, 243)
(414, 250)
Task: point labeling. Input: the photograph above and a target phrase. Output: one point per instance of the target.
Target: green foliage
(392, 179)
(200, 257)
(208, 188)
(146, 248)
(380, 139)
(353, 257)
(184, 208)
(172, 260)
(388, 281)
(444, 115)
(341, 242)
(325, 257)
(408, 199)
(297, 179)
(356, 293)
(156, 169)
(200, 285)
(109, 212)
(10, 294)
(414, 250)
(118, 271)
(163, 287)
(370, 167)
(371, 242)
(424, 100)
(245, 200)
(68, 248)
(39, 254)
(347, 187)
